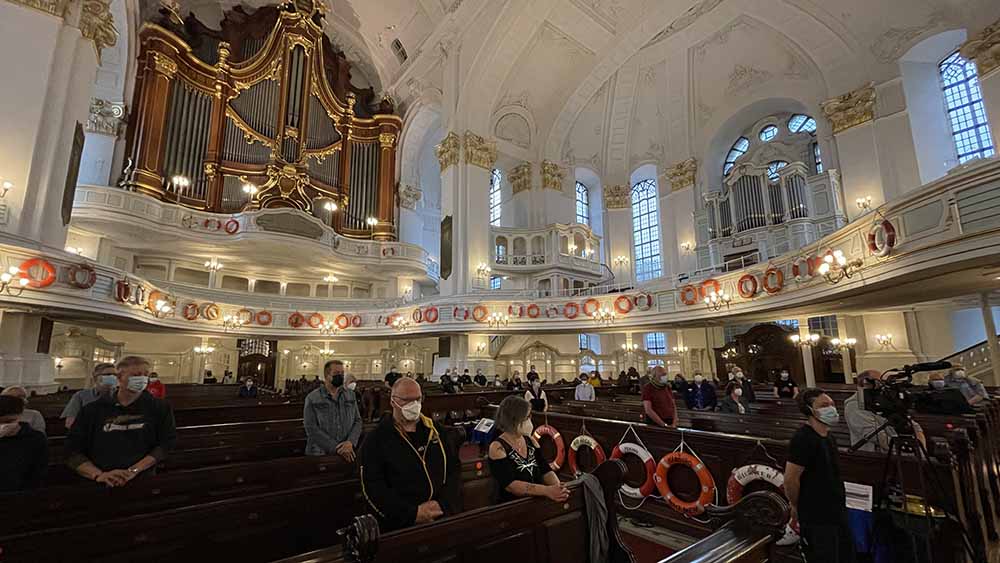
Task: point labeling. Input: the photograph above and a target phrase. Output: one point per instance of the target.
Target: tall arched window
(495, 197)
(646, 231)
(738, 149)
(964, 101)
(582, 204)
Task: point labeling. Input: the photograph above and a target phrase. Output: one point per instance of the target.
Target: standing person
(104, 381)
(24, 452)
(746, 384)
(536, 396)
(814, 486)
(532, 374)
(31, 416)
(700, 395)
(658, 399)
(584, 390)
(633, 380)
(248, 390)
(515, 383)
(480, 379)
(156, 387)
(390, 379)
(734, 403)
(410, 472)
(516, 460)
(331, 417)
(679, 384)
(784, 387)
(121, 435)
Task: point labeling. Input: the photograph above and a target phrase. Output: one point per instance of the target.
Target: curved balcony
(574, 248)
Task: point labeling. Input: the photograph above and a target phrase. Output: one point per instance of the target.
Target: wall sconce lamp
(329, 328)
(681, 349)
(400, 323)
(74, 250)
(204, 350)
(864, 203)
(178, 184)
(845, 344)
(621, 261)
(331, 278)
(836, 266)
(809, 340)
(572, 248)
(480, 348)
(59, 364)
(5, 186)
(630, 347)
(213, 265)
(483, 270)
(603, 315)
(163, 307)
(716, 301)
(286, 351)
(884, 340)
(730, 353)
(687, 247)
(371, 222)
(232, 323)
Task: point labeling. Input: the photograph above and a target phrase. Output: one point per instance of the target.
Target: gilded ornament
(448, 150)
(211, 168)
(409, 196)
(984, 48)
(552, 175)
(617, 197)
(387, 140)
(97, 24)
(520, 177)
(52, 7)
(480, 152)
(682, 174)
(106, 117)
(851, 109)
(164, 65)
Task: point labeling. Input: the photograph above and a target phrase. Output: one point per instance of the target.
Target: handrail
(574, 292)
(727, 266)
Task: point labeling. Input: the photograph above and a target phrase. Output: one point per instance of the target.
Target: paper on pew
(859, 497)
(485, 425)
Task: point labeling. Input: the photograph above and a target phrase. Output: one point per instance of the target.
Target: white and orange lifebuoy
(689, 294)
(804, 268)
(356, 321)
(212, 224)
(460, 313)
(47, 271)
(774, 280)
(623, 304)
(316, 320)
(551, 312)
(533, 311)
(647, 486)
(571, 310)
(232, 227)
(296, 320)
(590, 307)
(643, 301)
(707, 495)
(431, 314)
(342, 321)
(515, 311)
(190, 311)
(263, 318)
(480, 313)
(747, 286)
(576, 444)
(246, 315)
(743, 476)
(155, 296)
(388, 251)
(546, 430)
(883, 247)
(211, 311)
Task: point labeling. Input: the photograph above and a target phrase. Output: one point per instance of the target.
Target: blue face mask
(137, 383)
(938, 383)
(827, 415)
(107, 380)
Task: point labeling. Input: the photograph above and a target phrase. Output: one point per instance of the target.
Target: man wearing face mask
(480, 379)
(700, 395)
(121, 435)
(584, 390)
(536, 396)
(331, 416)
(784, 387)
(734, 403)
(862, 422)
(410, 472)
(24, 453)
(814, 486)
(104, 381)
(31, 416)
(658, 399)
(248, 390)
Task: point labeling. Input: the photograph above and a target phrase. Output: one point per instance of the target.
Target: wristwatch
(133, 471)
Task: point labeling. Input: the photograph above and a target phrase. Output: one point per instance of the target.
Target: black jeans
(827, 543)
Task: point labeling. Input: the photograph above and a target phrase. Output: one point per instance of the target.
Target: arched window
(964, 101)
(582, 204)
(739, 149)
(495, 197)
(656, 343)
(768, 133)
(646, 230)
(584, 341)
(799, 123)
(773, 167)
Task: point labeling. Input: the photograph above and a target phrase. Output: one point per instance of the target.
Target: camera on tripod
(894, 396)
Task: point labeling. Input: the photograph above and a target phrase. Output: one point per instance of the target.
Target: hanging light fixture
(233, 323)
(329, 328)
(496, 320)
(213, 265)
(809, 340)
(204, 350)
(400, 323)
(681, 349)
(603, 315)
(8, 284)
(716, 301)
(836, 266)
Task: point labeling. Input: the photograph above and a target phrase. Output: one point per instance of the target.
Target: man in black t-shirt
(784, 387)
(24, 452)
(814, 486)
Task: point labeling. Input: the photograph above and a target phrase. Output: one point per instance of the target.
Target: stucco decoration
(97, 24)
(682, 174)
(409, 196)
(514, 128)
(984, 48)
(552, 175)
(617, 197)
(520, 177)
(851, 109)
(480, 152)
(105, 117)
(448, 150)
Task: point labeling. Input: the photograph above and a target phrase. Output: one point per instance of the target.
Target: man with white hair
(105, 379)
(862, 422)
(34, 418)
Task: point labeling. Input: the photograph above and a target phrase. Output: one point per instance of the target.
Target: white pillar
(991, 336)
(465, 182)
(20, 361)
(618, 231)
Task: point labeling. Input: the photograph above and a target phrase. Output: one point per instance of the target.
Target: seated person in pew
(700, 395)
(584, 390)
(971, 387)
(535, 396)
(862, 422)
(119, 436)
(784, 387)
(410, 472)
(658, 399)
(351, 382)
(532, 374)
(595, 378)
(734, 403)
(24, 452)
(31, 416)
(498, 383)
(813, 484)
(248, 390)
(331, 416)
(516, 460)
(679, 385)
(746, 383)
(480, 379)
(465, 378)
(209, 378)
(104, 381)
(515, 383)
(156, 387)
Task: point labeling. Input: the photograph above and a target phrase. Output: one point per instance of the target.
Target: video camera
(894, 396)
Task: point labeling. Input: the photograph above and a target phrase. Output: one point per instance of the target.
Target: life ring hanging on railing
(431, 314)
(743, 476)
(89, 276)
(533, 311)
(571, 310)
(590, 307)
(804, 268)
(190, 311)
(263, 318)
(417, 315)
(141, 295)
(154, 296)
(316, 320)
(356, 321)
(246, 315)
(460, 313)
(232, 226)
(480, 313)
(296, 320)
(123, 290)
(643, 301)
(689, 294)
(209, 223)
(623, 304)
(342, 321)
(747, 286)
(772, 287)
(211, 311)
(546, 430)
(884, 247)
(709, 286)
(47, 269)
(584, 440)
(647, 486)
(515, 311)
(707, 495)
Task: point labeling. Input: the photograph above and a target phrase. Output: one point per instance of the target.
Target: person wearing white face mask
(700, 395)
(123, 434)
(516, 460)
(785, 387)
(31, 416)
(410, 471)
(863, 422)
(104, 379)
(747, 385)
(734, 403)
(24, 454)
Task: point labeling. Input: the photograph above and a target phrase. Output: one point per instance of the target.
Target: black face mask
(337, 379)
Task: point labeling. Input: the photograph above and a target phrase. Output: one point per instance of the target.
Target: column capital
(520, 177)
(448, 151)
(682, 174)
(851, 109)
(984, 48)
(479, 151)
(409, 196)
(617, 197)
(106, 117)
(552, 175)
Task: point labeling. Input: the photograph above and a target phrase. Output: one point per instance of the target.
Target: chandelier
(11, 287)
(233, 323)
(497, 320)
(836, 266)
(400, 323)
(213, 265)
(329, 328)
(204, 350)
(716, 301)
(808, 340)
(603, 315)
(681, 349)
(162, 307)
(730, 353)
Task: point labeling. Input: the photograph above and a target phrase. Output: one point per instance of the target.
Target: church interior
(676, 232)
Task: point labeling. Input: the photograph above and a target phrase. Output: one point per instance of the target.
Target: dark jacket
(728, 405)
(700, 396)
(748, 393)
(114, 436)
(24, 458)
(248, 392)
(398, 475)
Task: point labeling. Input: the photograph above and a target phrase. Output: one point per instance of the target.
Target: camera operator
(862, 422)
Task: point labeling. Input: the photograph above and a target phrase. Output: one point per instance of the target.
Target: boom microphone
(927, 366)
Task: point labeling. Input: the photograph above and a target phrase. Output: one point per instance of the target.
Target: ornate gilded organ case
(261, 114)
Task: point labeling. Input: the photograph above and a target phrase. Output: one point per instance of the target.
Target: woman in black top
(784, 387)
(516, 461)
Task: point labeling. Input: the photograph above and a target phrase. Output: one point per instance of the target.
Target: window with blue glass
(773, 167)
(584, 341)
(788, 323)
(495, 180)
(800, 123)
(768, 133)
(582, 204)
(495, 282)
(964, 101)
(738, 149)
(824, 326)
(817, 159)
(656, 343)
(646, 230)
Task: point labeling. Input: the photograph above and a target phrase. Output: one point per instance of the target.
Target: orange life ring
(647, 486)
(479, 314)
(211, 311)
(154, 296)
(86, 282)
(315, 320)
(264, 318)
(431, 314)
(515, 311)
(533, 311)
(747, 291)
(232, 226)
(742, 476)
(779, 280)
(623, 305)
(644, 301)
(584, 440)
(810, 263)
(356, 321)
(190, 311)
(342, 321)
(689, 294)
(707, 495)
(417, 315)
(207, 222)
(246, 315)
(296, 319)
(460, 313)
(587, 310)
(888, 239)
(709, 286)
(571, 310)
(546, 430)
(48, 271)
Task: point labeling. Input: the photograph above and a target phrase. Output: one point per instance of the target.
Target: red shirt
(157, 389)
(662, 400)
